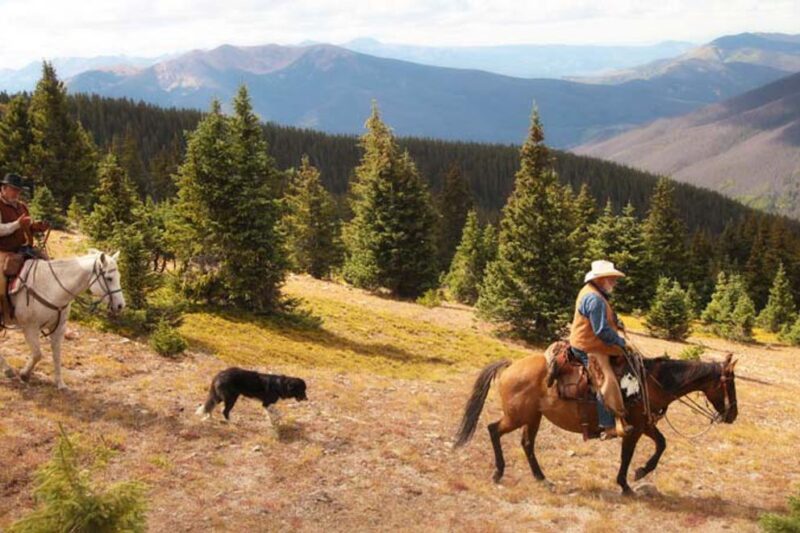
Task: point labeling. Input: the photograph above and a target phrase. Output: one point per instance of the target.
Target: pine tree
(469, 263)
(246, 212)
(136, 275)
(669, 316)
(76, 214)
(117, 203)
(530, 285)
(490, 243)
(702, 266)
(780, 309)
(15, 137)
(584, 213)
(454, 202)
(791, 332)
(311, 224)
(730, 313)
(743, 319)
(390, 242)
(61, 155)
(44, 207)
(664, 233)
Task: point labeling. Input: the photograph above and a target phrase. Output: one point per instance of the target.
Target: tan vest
(582, 335)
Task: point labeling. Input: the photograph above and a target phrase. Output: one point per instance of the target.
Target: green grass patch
(352, 336)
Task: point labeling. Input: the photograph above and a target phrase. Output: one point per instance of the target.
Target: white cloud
(33, 29)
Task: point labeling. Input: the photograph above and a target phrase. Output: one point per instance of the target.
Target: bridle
(712, 416)
(98, 276)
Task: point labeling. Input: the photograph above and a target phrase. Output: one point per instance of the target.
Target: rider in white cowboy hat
(595, 335)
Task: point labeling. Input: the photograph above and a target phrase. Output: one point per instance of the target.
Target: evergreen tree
(469, 263)
(61, 155)
(530, 285)
(225, 229)
(669, 316)
(664, 233)
(584, 210)
(15, 137)
(136, 275)
(780, 309)
(117, 203)
(454, 202)
(311, 224)
(44, 207)
(490, 243)
(390, 240)
(791, 332)
(702, 266)
(76, 214)
(730, 313)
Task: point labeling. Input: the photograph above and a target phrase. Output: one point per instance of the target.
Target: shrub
(69, 500)
(791, 333)
(788, 523)
(731, 313)
(166, 340)
(692, 353)
(669, 316)
(430, 298)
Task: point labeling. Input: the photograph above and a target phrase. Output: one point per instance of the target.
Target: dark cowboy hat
(13, 180)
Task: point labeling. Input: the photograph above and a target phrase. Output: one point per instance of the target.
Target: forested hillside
(154, 140)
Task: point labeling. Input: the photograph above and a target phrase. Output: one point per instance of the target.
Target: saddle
(573, 382)
(11, 264)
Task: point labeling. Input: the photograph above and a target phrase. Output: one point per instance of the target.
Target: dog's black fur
(233, 382)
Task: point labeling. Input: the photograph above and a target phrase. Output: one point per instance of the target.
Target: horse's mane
(674, 374)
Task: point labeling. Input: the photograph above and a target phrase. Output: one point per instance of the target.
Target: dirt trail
(372, 452)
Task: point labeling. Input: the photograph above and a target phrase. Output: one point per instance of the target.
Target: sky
(32, 30)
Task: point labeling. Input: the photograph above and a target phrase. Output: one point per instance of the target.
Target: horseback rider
(595, 336)
(16, 231)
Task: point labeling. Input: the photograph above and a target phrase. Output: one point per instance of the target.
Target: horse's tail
(212, 400)
(474, 406)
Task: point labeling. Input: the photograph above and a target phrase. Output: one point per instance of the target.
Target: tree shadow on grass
(316, 334)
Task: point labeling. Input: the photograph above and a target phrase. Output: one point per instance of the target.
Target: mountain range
(747, 147)
(330, 88)
(525, 60)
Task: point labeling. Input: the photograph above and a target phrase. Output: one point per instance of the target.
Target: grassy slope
(371, 449)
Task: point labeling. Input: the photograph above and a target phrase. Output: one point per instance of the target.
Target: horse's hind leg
(652, 463)
(497, 430)
(32, 336)
(528, 441)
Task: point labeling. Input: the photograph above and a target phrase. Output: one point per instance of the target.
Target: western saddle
(576, 383)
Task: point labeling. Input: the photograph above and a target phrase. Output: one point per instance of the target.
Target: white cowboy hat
(602, 269)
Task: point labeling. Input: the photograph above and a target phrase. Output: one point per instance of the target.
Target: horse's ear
(103, 258)
(728, 359)
(115, 256)
(733, 365)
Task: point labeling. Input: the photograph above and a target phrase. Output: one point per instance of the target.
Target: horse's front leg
(32, 336)
(628, 447)
(652, 463)
(55, 344)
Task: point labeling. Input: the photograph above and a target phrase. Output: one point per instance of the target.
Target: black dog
(229, 384)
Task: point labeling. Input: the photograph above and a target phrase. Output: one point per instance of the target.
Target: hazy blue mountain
(25, 78)
(525, 60)
(330, 88)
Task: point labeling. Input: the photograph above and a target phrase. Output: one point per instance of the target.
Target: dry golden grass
(370, 450)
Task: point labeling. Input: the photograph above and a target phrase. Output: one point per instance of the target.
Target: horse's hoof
(497, 476)
(10, 374)
(62, 386)
(640, 473)
(628, 492)
(24, 377)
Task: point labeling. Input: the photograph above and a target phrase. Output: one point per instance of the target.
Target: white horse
(45, 293)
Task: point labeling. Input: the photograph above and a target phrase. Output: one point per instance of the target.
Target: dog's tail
(212, 400)
(475, 403)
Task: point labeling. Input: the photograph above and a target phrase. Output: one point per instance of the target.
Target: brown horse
(525, 398)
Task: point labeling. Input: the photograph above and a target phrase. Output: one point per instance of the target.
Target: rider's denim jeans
(604, 416)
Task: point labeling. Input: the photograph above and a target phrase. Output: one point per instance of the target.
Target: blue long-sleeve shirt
(593, 307)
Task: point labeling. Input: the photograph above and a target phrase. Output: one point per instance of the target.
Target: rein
(98, 274)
